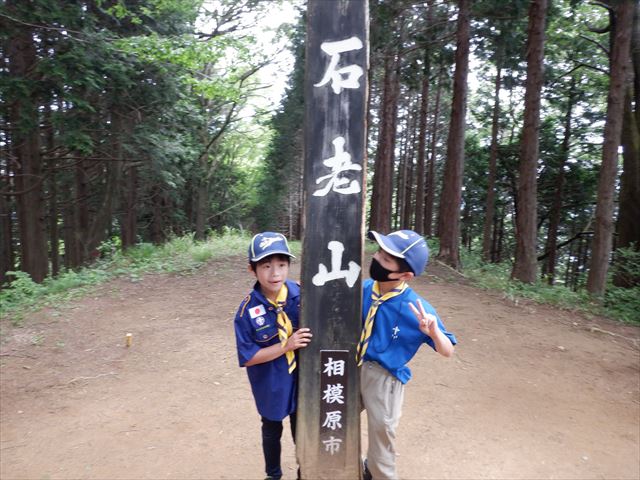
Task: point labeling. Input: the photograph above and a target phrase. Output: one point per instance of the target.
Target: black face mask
(378, 272)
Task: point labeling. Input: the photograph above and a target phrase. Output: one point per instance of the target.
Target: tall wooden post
(328, 432)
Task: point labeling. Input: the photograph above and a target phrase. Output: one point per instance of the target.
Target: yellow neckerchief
(378, 299)
(285, 327)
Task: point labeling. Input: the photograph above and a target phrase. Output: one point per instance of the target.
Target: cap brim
(267, 254)
(385, 243)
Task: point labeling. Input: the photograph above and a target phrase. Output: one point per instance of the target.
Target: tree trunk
(69, 237)
(555, 215)
(401, 178)
(207, 164)
(525, 266)
(7, 259)
(157, 220)
(202, 201)
(612, 135)
(422, 143)
(80, 232)
(431, 166)
(381, 196)
(407, 207)
(52, 192)
(498, 237)
(567, 273)
(577, 266)
(454, 167)
(628, 226)
(489, 213)
(6, 245)
(102, 220)
(54, 233)
(25, 142)
(297, 232)
(128, 227)
(407, 211)
(584, 259)
(370, 93)
(466, 226)
(100, 227)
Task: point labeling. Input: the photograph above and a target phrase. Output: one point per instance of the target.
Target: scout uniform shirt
(274, 388)
(395, 337)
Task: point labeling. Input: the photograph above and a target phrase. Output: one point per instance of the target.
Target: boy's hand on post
(299, 339)
(427, 322)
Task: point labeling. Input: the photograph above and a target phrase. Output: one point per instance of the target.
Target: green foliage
(141, 90)
(230, 243)
(141, 254)
(620, 304)
(172, 87)
(23, 290)
(627, 265)
(475, 192)
(279, 175)
(183, 255)
(71, 279)
(234, 187)
(623, 303)
(180, 255)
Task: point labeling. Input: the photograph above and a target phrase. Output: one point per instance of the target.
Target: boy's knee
(271, 428)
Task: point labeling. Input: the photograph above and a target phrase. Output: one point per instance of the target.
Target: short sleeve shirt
(256, 327)
(395, 337)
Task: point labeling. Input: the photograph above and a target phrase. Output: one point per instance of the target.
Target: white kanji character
(352, 72)
(323, 276)
(339, 163)
(332, 445)
(334, 367)
(332, 420)
(333, 393)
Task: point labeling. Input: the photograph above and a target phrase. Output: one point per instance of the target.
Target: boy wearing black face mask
(396, 322)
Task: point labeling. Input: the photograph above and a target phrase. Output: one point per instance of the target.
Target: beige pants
(382, 396)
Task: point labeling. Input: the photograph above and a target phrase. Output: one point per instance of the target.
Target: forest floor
(532, 392)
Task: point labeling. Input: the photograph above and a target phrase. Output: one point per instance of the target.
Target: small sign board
(333, 407)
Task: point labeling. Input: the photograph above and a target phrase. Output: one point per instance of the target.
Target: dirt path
(532, 392)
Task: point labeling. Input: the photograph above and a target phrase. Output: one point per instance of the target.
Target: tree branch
(566, 242)
(598, 44)
(605, 29)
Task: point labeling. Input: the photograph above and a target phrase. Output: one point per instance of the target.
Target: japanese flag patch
(257, 311)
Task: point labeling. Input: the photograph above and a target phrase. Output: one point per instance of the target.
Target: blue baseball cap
(405, 244)
(268, 243)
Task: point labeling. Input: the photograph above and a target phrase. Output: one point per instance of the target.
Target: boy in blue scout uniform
(396, 323)
(267, 336)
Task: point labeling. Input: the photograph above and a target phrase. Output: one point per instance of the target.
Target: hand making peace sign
(427, 322)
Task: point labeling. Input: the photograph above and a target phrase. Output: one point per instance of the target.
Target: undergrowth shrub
(183, 255)
(180, 255)
(623, 303)
(23, 290)
(620, 303)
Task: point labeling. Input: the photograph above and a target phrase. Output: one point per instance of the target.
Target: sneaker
(366, 474)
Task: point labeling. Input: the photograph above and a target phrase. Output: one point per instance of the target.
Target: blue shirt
(396, 337)
(256, 327)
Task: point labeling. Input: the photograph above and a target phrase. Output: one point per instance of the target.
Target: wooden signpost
(328, 429)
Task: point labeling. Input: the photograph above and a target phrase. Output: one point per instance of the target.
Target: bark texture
(454, 167)
(525, 266)
(603, 228)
